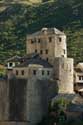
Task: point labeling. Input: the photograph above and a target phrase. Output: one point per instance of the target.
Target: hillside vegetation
(19, 19)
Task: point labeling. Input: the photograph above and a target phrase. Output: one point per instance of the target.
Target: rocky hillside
(18, 19)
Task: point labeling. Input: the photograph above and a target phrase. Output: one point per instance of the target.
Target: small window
(62, 55)
(36, 51)
(64, 51)
(38, 40)
(60, 39)
(80, 77)
(34, 72)
(16, 72)
(22, 72)
(47, 58)
(50, 39)
(10, 64)
(46, 51)
(42, 72)
(41, 52)
(32, 41)
(48, 72)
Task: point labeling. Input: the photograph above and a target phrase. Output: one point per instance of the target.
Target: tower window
(60, 39)
(47, 58)
(22, 72)
(42, 72)
(46, 51)
(50, 39)
(41, 52)
(36, 51)
(34, 72)
(62, 55)
(38, 40)
(80, 77)
(16, 72)
(64, 51)
(48, 72)
(32, 41)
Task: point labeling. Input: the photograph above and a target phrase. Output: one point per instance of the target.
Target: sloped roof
(50, 31)
(14, 58)
(34, 59)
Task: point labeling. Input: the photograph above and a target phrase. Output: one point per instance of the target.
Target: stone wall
(14, 123)
(28, 99)
(24, 101)
(28, 72)
(34, 103)
(17, 97)
(4, 101)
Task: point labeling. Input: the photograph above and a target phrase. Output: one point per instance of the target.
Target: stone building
(34, 67)
(78, 77)
(49, 43)
(33, 82)
(12, 62)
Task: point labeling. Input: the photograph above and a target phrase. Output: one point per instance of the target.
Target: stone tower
(63, 74)
(49, 43)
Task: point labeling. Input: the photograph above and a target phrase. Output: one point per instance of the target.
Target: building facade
(49, 43)
(78, 77)
(33, 82)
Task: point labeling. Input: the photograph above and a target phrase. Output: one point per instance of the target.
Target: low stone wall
(14, 123)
